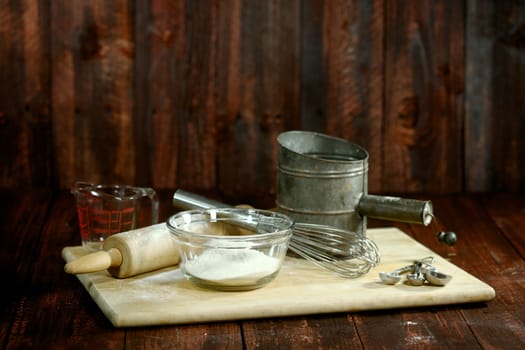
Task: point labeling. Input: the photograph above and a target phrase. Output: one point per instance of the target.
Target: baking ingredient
(232, 266)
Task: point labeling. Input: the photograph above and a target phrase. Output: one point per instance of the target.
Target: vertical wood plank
(479, 100)
(353, 53)
(159, 81)
(424, 96)
(92, 52)
(25, 124)
(508, 122)
(142, 110)
(313, 88)
(180, 84)
(494, 143)
(268, 55)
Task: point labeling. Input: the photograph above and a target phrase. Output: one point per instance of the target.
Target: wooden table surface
(44, 308)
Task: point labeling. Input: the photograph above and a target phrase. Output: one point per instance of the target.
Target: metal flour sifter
(323, 179)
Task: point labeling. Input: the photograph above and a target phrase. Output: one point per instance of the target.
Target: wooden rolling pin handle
(94, 262)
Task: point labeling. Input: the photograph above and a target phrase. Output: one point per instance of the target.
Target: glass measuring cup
(104, 210)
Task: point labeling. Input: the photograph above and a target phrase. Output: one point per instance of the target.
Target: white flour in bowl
(232, 266)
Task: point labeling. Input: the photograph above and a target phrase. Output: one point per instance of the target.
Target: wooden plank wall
(192, 94)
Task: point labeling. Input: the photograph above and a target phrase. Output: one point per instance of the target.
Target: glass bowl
(231, 249)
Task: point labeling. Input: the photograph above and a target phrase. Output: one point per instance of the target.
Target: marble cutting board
(164, 297)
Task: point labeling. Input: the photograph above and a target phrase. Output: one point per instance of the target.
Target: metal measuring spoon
(437, 278)
(416, 278)
(395, 276)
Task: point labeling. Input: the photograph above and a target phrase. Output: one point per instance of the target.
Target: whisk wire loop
(337, 250)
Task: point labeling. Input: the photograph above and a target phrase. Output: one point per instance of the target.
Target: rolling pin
(130, 253)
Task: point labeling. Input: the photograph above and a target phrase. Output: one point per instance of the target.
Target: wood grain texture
(495, 257)
(193, 94)
(509, 218)
(17, 247)
(179, 80)
(318, 332)
(25, 123)
(92, 56)
(507, 125)
(266, 46)
(494, 153)
(45, 287)
(423, 96)
(437, 330)
(226, 335)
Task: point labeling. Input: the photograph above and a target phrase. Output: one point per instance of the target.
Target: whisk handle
(185, 200)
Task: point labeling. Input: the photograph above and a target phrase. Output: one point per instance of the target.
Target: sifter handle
(94, 262)
(396, 209)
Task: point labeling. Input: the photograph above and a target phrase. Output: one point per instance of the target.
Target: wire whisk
(340, 251)
(344, 252)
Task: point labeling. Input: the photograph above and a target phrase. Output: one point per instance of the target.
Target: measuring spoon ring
(395, 276)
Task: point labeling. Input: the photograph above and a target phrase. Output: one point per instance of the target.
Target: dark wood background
(192, 94)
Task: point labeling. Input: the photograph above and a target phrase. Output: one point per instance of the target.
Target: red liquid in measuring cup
(98, 224)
